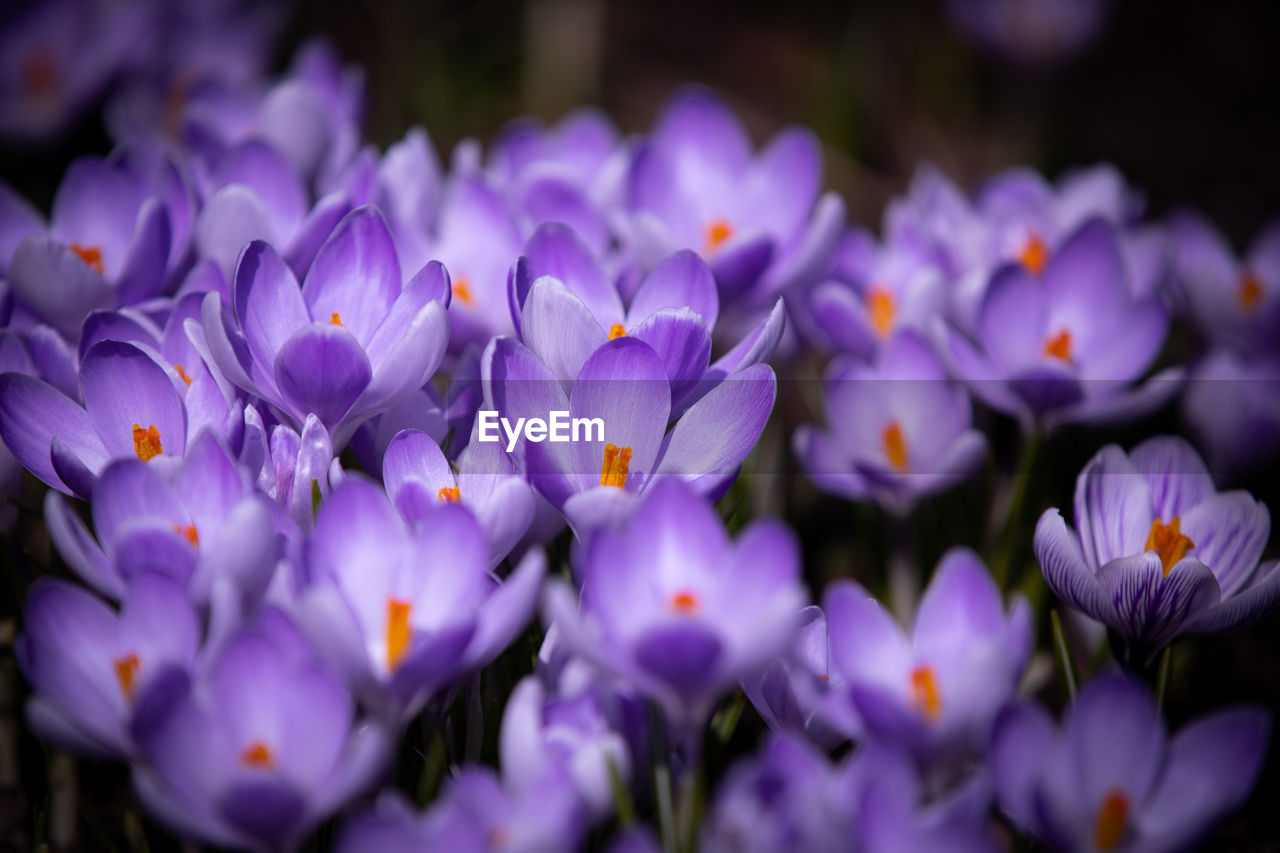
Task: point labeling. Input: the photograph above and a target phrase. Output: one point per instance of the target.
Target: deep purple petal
(356, 275)
(1013, 319)
(1058, 552)
(322, 370)
(681, 280)
(268, 302)
(682, 340)
(124, 388)
(143, 275)
(1151, 609)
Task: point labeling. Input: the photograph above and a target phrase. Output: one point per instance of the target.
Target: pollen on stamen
(182, 373)
(257, 754)
(1034, 254)
(146, 442)
(1250, 292)
(1168, 541)
(126, 673)
(881, 307)
(335, 319)
(187, 532)
(685, 602)
(924, 692)
(617, 461)
(1112, 821)
(461, 290)
(616, 331)
(449, 495)
(91, 255)
(895, 446)
(1059, 346)
(718, 232)
(397, 631)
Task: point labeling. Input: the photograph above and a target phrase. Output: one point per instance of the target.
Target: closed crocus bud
(1157, 551)
(1112, 779)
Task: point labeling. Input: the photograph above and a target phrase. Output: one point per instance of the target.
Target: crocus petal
(680, 656)
(843, 318)
(757, 347)
(866, 644)
(1230, 531)
(1246, 607)
(738, 267)
(1058, 552)
(1020, 741)
(681, 280)
(1013, 318)
(702, 135)
(31, 414)
(413, 455)
(268, 303)
(682, 340)
(322, 370)
(78, 548)
(1175, 473)
(962, 601)
(1116, 739)
(784, 181)
(232, 218)
(508, 609)
(56, 284)
(1151, 608)
(145, 263)
(123, 387)
(555, 250)
(559, 327)
(356, 275)
(1112, 507)
(260, 167)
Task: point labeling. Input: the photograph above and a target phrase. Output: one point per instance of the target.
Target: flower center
(40, 73)
(1168, 541)
(1034, 254)
(616, 331)
(1250, 292)
(335, 319)
(895, 446)
(1112, 820)
(718, 231)
(397, 631)
(461, 290)
(685, 602)
(126, 673)
(881, 306)
(256, 754)
(188, 533)
(924, 692)
(182, 373)
(613, 472)
(449, 495)
(91, 255)
(146, 442)
(1059, 346)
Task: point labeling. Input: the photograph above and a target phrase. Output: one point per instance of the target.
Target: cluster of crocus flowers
(254, 359)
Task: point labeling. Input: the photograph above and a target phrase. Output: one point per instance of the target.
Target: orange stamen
(461, 289)
(1113, 819)
(127, 673)
(924, 692)
(1059, 346)
(40, 73)
(449, 495)
(613, 472)
(895, 446)
(718, 231)
(91, 255)
(616, 331)
(258, 755)
(1168, 541)
(188, 533)
(335, 319)
(182, 373)
(1249, 292)
(1034, 254)
(146, 442)
(397, 631)
(685, 602)
(881, 306)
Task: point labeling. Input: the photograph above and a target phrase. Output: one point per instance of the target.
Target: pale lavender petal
(32, 413)
(322, 370)
(356, 275)
(681, 280)
(558, 326)
(56, 284)
(123, 387)
(1175, 473)
(1058, 552)
(268, 302)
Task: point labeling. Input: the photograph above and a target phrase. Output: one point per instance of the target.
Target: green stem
(1065, 659)
(662, 780)
(726, 722)
(621, 794)
(1002, 567)
(1163, 676)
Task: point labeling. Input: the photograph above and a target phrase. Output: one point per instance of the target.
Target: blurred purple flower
(900, 429)
(1111, 779)
(1029, 32)
(1159, 552)
(352, 342)
(418, 479)
(673, 607)
(1232, 406)
(90, 667)
(286, 465)
(936, 691)
(263, 746)
(1068, 344)
(402, 611)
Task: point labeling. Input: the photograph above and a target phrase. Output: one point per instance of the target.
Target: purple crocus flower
(674, 607)
(1068, 344)
(1234, 302)
(1232, 407)
(132, 409)
(418, 479)
(288, 465)
(625, 385)
(900, 429)
(695, 184)
(263, 746)
(107, 245)
(199, 522)
(353, 341)
(401, 610)
(1112, 779)
(1036, 33)
(936, 691)
(90, 667)
(1159, 552)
